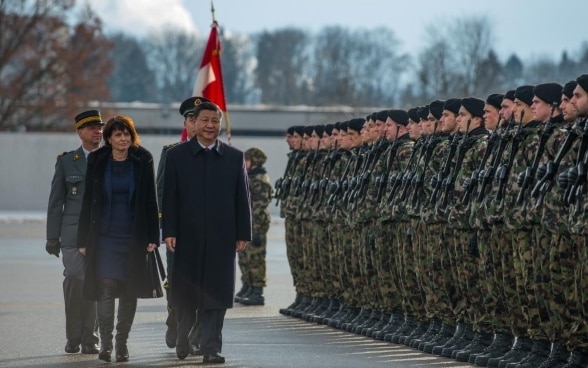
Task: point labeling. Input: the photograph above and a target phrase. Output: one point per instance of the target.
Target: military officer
(65, 202)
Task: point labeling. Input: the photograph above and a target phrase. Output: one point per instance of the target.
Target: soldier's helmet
(256, 156)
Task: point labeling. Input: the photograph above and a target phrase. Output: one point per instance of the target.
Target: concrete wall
(27, 163)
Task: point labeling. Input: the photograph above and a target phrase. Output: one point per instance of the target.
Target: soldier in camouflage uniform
(252, 260)
(288, 211)
(578, 341)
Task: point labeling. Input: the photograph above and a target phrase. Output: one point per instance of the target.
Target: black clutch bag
(155, 271)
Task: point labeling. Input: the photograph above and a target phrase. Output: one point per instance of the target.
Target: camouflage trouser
(312, 259)
(490, 270)
(410, 256)
(355, 271)
(252, 263)
(523, 244)
(541, 285)
(511, 288)
(439, 285)
(456, 239)
(563, 305)
(472, 284)
(293, 235)
(370, 289)
(309, 272)
(385, 268)
(332, 261)
(578, 334)
(345, 265)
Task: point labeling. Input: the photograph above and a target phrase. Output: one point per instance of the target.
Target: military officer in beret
(188, 132)
(65, 202)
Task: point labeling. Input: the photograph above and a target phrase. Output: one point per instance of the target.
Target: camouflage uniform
(252, 259)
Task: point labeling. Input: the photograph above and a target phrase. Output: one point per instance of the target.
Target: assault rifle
(438, 179)
(284, 181)
(503, 172)
(488, 174)
(545, 183)
(576, 190)
(530, 172)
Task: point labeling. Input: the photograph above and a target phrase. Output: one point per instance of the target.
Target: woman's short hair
(121, 123)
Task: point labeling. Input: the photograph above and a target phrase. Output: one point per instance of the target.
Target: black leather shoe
(122, 352)
(72, 348)
(214, 358)
(195, 350)
(170, 337)
(90, 349)
(182, 351)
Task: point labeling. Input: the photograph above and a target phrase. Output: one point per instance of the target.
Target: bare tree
(282, 61)
(238, 62)
(175, 57)
(48, 69)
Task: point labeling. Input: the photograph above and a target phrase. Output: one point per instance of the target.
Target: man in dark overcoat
(206, 217)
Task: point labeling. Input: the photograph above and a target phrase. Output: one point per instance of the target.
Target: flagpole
(227, 120)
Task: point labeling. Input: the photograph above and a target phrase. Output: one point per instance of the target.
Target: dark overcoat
(145, 227)
(206, 207)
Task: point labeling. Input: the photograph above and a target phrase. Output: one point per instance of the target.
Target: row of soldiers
(458, 228)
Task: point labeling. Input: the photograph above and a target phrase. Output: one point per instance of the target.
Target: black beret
(329, 128)
(290, 130)
(187, 106)
(399, 116)
(583, 81)
(413, 114)
(495, 100)
(356, 124)
(90, 117)
(453, 105)
(525, 94)
(423, 112)
(548, 92)
(373, 116)
(568, 89)
(475, 106)
(299, 129)
(510, 95)
(382, 115)
(308, 129)
(344, 125)
(319, 129)
(436, 108)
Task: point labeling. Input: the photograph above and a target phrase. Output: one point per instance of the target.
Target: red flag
(209, 81)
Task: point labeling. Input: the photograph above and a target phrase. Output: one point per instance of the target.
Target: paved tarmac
(32, 321)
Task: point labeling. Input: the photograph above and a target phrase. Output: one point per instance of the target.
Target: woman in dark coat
(118, 225)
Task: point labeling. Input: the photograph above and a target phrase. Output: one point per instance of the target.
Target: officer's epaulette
(171, 145)
(63, 153)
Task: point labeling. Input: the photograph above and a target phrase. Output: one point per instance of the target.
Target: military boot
(578, 359)
(413, 338)
(302, 306)
(380, 324)
(288, 310)
(520, 349)
(361, 317)
(539, 354)
(444, 334)
(406, 329)
(335, 318)
(322, 306)
(347, 318)
(255, 297)
(461, 342)
(459, 330)
(395, 321)
(500, 346)
(480, 342)
(432, 331)
(245, 289)
(330, 310)
(374, 317)
(105, 312)
(126, 314)
(557, 358)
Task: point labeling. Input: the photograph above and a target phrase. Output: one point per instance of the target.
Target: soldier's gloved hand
(521, 179)
(541, 171)
(53, 247)
(256, 240)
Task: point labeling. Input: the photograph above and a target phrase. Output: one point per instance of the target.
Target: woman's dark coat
(206, 207)
(145, 225)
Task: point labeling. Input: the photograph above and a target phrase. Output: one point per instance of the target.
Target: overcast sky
(532, 29)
